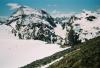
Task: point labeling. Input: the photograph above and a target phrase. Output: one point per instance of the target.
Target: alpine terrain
(32, 38)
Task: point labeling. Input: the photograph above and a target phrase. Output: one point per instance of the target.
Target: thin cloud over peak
(56, 13)
(53, 5)
(13, 5)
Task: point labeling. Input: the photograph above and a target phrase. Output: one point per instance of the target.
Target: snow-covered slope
(60, 31)
(86, 24)
(15, 53)
(5, 32)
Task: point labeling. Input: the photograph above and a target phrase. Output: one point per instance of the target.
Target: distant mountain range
(28, 23)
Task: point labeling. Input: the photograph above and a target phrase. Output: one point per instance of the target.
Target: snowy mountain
(86, 25)
(28, 23)
(36, 15)
(61, 20)
(61, 17)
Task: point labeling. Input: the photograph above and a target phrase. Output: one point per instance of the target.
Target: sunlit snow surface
(90, 29)
(15, 53)
(60, 31)
(5, 33)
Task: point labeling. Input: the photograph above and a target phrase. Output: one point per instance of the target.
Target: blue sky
(50, 5)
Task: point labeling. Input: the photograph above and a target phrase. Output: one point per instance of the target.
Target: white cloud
(98, 10)
(53, 5)
(13, 5)
(56, 13)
